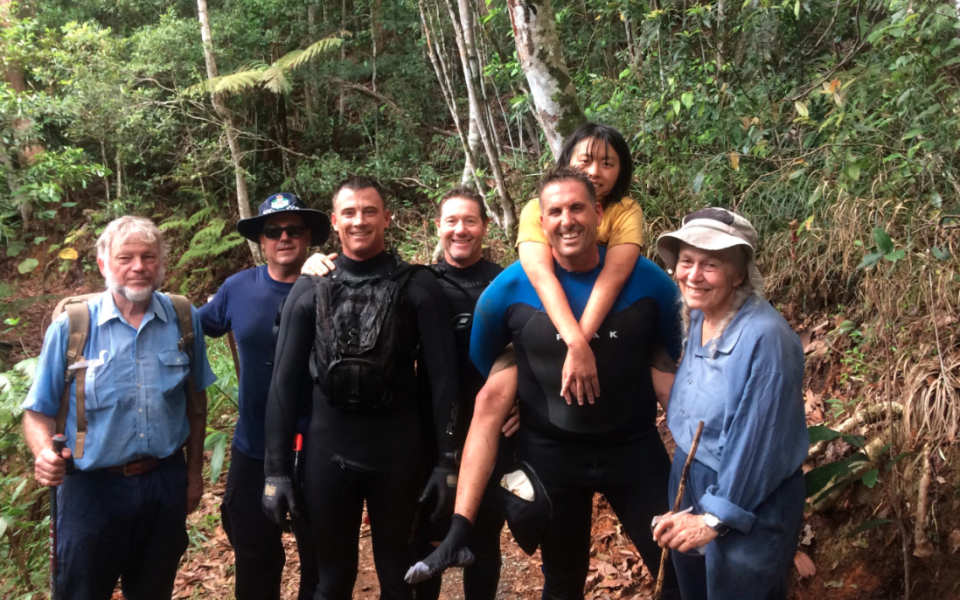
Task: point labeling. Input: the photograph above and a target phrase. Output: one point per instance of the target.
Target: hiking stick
(658, 590)
(232, 342)
(59, 443)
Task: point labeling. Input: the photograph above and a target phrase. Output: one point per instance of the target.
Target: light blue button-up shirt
(748, 391)
(135, 400)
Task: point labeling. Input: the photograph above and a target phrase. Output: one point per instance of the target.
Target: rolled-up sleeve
(759, 447)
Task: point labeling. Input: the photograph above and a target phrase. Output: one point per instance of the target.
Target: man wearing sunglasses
(247, 304)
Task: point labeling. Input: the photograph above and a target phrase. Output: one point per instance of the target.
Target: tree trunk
(310, 89)
(233, 137)
(541, 57)
(473, 141)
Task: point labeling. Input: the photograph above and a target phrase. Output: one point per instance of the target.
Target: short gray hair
(119, 230)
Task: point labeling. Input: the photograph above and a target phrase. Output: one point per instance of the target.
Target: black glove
(442, 482)
(453, 552)
(279, 498)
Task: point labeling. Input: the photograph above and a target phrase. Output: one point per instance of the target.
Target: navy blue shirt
(645, 312)
(247, 303)
(747, 388)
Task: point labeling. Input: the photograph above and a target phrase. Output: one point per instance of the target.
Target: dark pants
(256, 539)
(740, 566)
(631, 474)
(335, 491)
(112, 527)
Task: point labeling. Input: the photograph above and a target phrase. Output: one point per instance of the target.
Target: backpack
(78, 319)
(357, 352)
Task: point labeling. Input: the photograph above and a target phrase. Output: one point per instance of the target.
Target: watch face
(711, 520)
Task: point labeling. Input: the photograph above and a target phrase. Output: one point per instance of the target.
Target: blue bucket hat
(317, 222)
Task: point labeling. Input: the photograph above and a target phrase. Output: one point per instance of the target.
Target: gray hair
(119, 230)
(751, 286)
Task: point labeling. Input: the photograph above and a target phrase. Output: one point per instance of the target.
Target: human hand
(319, 265)
(579, 374)
(279, 498)
(49, 468)
(452, 552)
(513, 422)
(682, 532)
(442, 483)
(194, 490)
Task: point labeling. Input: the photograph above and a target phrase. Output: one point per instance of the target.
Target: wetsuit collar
(474, 270)
(364, 267)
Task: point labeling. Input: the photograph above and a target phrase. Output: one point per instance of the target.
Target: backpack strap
(182, 306)
(78, 322)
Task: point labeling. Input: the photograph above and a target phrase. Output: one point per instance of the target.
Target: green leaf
(796, 9)
(870, 260)
(870, 478)
(15, 248)
(940, 252)
(698, 182)
(854, 440)
(821, 433)
(801, 108)
(676, 106)
(895, 256)
(868, 525)
(853, 171)
(27, 265)
(893, 461)
(912, 134)
(687, 99)
(3, 526)
(884, 243)
(821, 477)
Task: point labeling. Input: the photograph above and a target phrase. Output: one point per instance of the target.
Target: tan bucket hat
(708, 229)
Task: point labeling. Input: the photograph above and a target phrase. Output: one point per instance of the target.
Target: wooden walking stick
(658, 590)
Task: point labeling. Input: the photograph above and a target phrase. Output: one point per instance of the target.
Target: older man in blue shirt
(123, 509)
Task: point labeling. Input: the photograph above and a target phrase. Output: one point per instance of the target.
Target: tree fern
(274, 78)
(192, 221)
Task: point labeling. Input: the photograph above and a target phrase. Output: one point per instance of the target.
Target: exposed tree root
(923, 547)
(868, 415)
(822, 501)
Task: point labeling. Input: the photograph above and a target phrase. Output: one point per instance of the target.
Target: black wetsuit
(375, 456)
(611, 447)
(480, 579)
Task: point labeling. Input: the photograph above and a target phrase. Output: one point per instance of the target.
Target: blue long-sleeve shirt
(748, 391)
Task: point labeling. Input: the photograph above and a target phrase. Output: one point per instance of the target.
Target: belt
(142, 465)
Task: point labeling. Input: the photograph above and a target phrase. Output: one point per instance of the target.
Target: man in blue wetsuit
(611, 446)
(247, 304)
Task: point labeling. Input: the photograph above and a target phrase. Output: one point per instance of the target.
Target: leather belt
(142, 465)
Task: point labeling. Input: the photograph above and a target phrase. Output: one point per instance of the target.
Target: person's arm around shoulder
(319, 265)
(42, 403)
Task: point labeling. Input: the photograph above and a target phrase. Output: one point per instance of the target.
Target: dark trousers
(256, 539)
(740, 566)
(112, 527)
(632, 474)
(335, 491)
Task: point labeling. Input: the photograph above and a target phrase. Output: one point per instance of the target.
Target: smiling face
(600, 162)
(286, 251)
(570, 221)
(133, 269)
(360, 218)
(461, 230)
(707, 279)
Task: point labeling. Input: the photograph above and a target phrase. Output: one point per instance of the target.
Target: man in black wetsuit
(462, 225)
(612, 446)
(365, 453)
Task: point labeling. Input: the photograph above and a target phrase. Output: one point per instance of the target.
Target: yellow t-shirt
(622, 224)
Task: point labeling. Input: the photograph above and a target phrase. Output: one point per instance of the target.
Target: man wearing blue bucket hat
(247, 304)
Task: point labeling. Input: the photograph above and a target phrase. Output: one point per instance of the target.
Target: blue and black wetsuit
(611, 447)
(462, 288)
(373, 456)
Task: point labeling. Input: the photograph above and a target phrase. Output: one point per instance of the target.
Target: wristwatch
(714, 523)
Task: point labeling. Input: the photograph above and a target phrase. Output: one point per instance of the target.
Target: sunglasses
(274, 233)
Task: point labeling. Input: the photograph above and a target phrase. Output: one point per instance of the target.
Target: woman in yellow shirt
(601, 152)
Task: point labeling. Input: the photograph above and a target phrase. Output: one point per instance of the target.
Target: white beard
(141, 295)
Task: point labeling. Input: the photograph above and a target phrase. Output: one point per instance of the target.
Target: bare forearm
(480, 451)
(198, 429)
(537, 262)
(38, 431)
(662, 383)
(617, 267)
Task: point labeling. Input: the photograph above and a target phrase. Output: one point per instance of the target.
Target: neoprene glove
(453, 552)
(279, 498)
(442, 483)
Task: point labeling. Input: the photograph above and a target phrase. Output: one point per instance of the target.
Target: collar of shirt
(730, 336)
(108, 310)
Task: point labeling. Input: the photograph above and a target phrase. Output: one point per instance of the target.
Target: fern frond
(275, 79)
(203, 87)
(200, 215)
(213, 247)
(238, 81)
(297, 58)
(209, 233)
